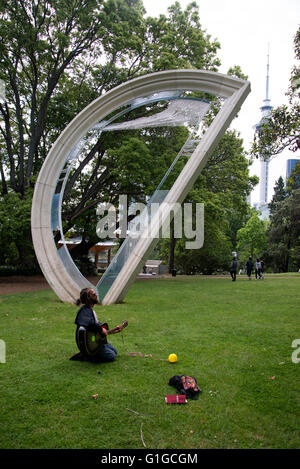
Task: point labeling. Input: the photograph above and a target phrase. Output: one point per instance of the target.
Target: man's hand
(118, 328)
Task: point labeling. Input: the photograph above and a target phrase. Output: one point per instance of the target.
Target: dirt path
(18, 284)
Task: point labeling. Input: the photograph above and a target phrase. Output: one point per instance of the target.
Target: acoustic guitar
(89, 342)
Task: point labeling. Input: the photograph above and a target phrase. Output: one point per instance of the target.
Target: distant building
(101, 253)
(290, 164)
(262, 205)
(264, 165)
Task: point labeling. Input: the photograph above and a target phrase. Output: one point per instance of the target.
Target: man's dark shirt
(85, 317)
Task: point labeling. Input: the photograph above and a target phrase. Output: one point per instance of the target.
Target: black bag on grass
(186, 385)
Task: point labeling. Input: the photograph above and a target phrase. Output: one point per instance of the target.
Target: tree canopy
(279, 195)
(283, 251)
(284, 234)
(252, 238)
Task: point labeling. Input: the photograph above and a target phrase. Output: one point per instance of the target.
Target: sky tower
(264, 165)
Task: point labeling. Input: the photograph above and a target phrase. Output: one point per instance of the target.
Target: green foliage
(227, 172)
(283, 251)
(279, 195)
(252, 238)
(213, 256)
(19, 270)
(293, 181)
(236, 71)
(178, 41)
(130, 166)
(284, 234)
(85, 265)
(277, 132)
(16, 247)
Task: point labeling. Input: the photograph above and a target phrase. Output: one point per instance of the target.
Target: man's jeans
(107, 353)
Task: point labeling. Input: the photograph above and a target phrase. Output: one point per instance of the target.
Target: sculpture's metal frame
(65, 286)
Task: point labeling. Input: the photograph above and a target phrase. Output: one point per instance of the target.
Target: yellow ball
(172, 358)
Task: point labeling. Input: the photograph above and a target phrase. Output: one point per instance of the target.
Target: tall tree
(279, 195)
(284, 234)
(16, 247)
(252, 238)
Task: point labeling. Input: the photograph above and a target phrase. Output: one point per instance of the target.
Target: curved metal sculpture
(58, 268)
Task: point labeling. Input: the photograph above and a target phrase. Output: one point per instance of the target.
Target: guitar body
(89, 342)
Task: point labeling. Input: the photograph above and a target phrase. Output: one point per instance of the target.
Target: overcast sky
(244, 30)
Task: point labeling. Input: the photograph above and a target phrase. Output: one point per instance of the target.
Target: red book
(176, 399)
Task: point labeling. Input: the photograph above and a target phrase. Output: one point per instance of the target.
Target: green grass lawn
(232, 337)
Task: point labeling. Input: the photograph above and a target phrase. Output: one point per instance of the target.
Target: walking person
(249, 267)
(233, 269)
(258, 270)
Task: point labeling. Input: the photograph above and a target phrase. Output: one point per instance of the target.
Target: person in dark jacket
(249, 267)
(86, 317)
(233, 269)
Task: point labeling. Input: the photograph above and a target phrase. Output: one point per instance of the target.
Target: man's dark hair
(86, 297)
